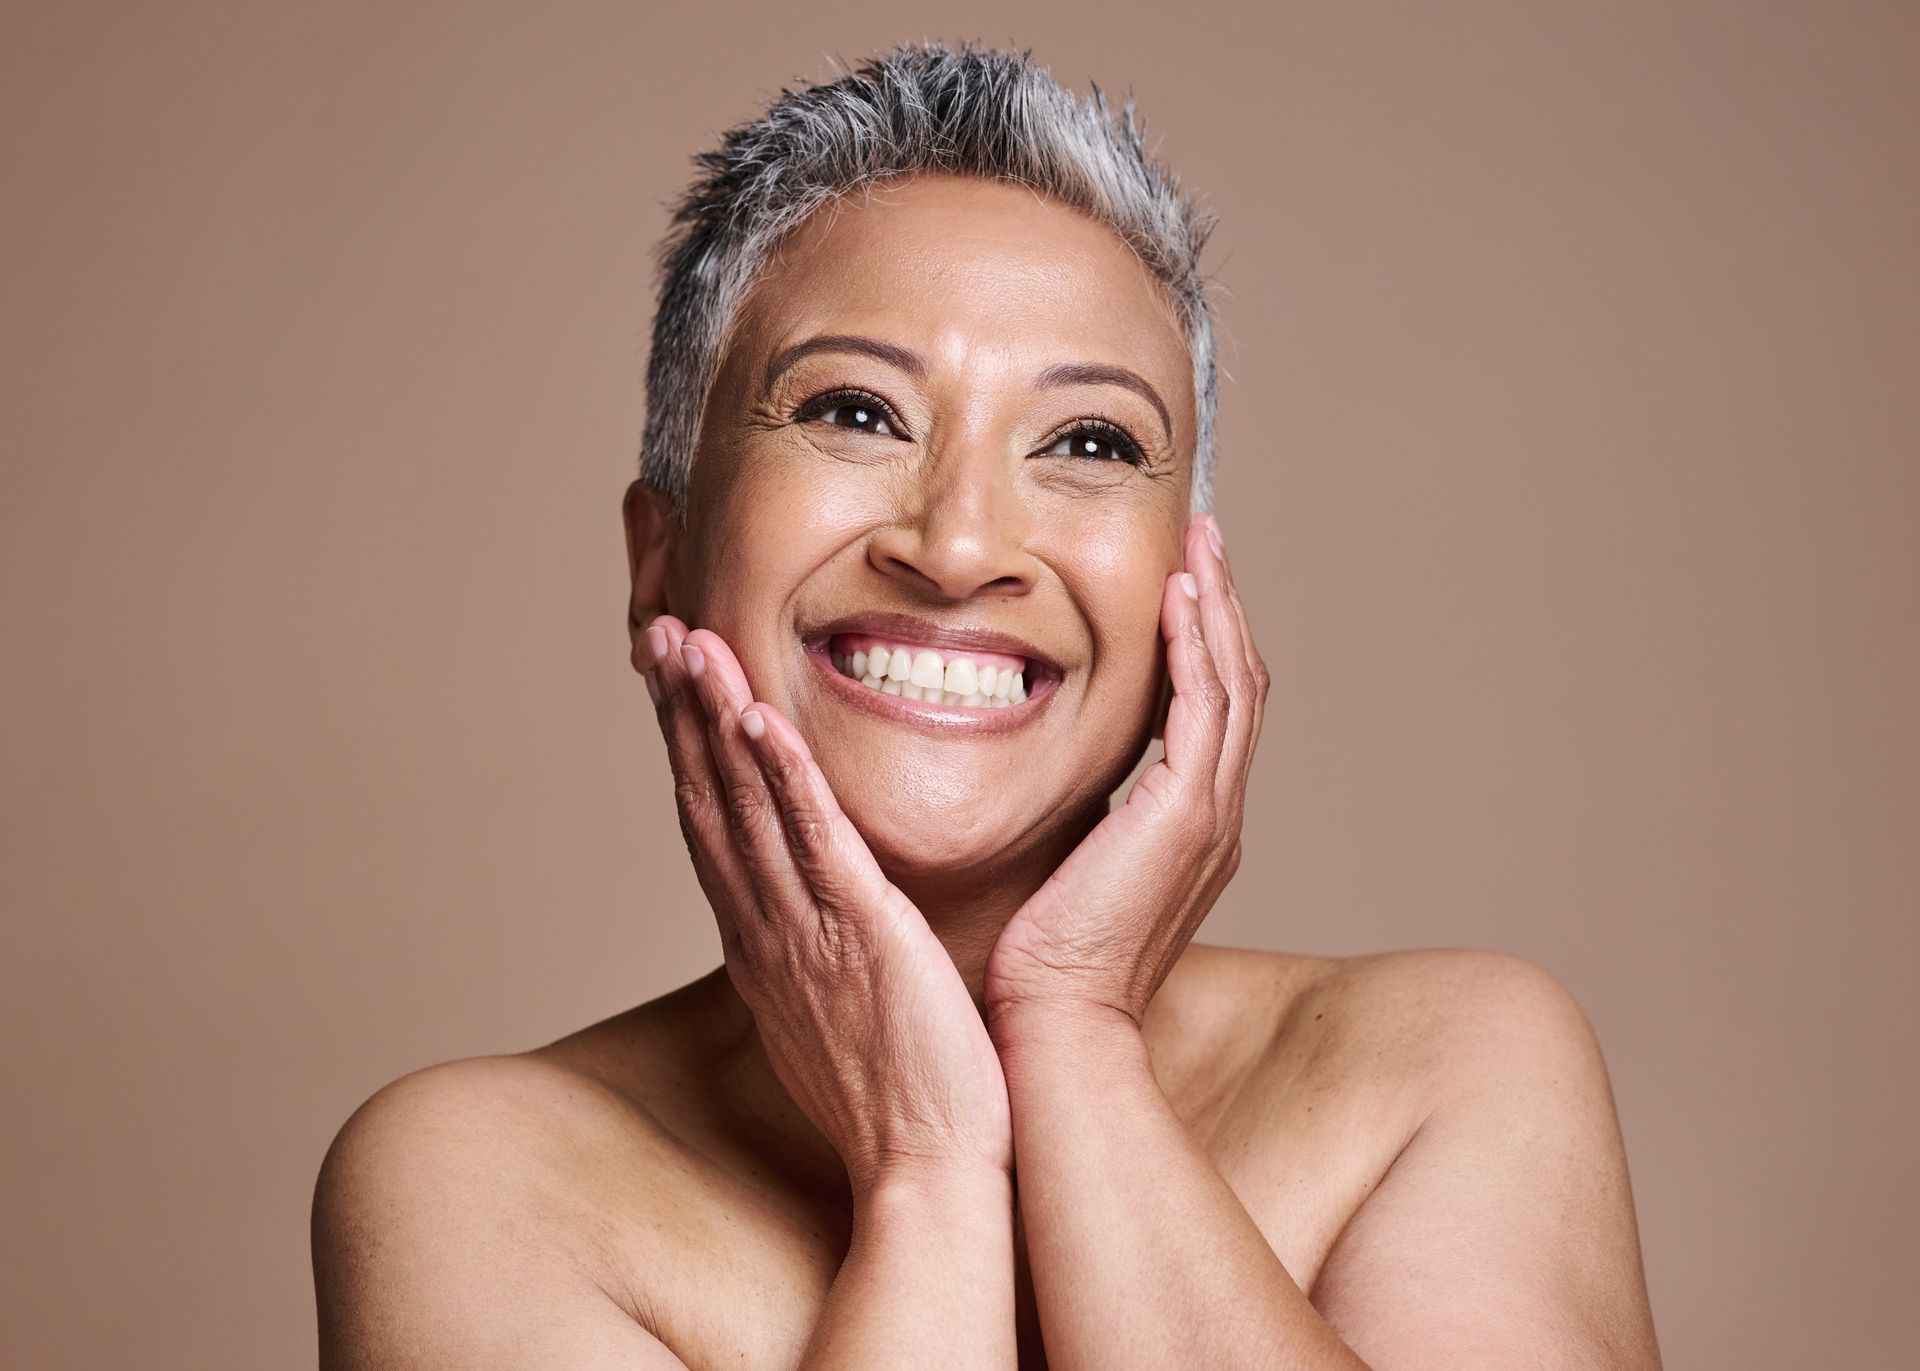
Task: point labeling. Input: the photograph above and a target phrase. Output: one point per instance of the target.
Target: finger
(654, 648)
(1226, 638)
(1224, 645)
(753, 812)
(1256, 665)
(699, 794)
(1197, 716)
(1229, 659)
(681, 720)
(827, 850)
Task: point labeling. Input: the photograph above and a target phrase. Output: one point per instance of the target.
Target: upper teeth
(920, 673)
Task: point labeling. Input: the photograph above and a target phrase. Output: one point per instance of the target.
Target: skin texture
(796, 523)
(965, 1091)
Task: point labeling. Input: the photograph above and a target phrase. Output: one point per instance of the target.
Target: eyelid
(1118, 435)
(836, 396)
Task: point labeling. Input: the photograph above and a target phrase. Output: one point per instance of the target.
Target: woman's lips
(930, 714)
(918, 671)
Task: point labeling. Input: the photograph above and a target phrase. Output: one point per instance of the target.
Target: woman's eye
(1097, 444)
(857, 414)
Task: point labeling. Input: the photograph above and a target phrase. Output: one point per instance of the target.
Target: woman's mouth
(891, 672)
(969, 680)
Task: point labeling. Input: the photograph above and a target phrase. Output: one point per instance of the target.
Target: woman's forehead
(950, 265)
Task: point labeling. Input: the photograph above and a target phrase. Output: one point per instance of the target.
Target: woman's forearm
(928, 1279)
(1141, 1253)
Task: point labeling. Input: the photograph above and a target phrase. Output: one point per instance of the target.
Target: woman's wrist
(934, 1188)
(1065, 1026)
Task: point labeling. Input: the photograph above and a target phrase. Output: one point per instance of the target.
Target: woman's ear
(651, 529)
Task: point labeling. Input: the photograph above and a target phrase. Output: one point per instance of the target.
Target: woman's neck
(966, 911)
(967, 908)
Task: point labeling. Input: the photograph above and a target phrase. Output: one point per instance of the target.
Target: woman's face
(955, 417)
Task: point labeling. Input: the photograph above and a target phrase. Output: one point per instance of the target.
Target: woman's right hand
(864, 1016)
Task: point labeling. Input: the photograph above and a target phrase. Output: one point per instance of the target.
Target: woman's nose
(964, 535)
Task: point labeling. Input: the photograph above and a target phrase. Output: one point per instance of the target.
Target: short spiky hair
(923, 107)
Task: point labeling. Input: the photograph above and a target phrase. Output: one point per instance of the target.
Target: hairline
(720, 272)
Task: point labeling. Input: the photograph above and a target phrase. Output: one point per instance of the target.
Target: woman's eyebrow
(893, 354)
(911, 362)
(1105, 374)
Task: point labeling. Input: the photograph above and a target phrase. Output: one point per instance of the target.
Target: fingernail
(1188, 584)
(653, 686)
(751, 721)
(695, 659)
(1213, 536)
(657, 644)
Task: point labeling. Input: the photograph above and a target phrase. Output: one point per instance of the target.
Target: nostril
(953, 564)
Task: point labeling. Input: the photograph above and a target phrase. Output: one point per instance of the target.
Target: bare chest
(738, 1275)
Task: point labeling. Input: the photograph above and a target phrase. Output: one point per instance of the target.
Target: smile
(976, 680)
(915, 671)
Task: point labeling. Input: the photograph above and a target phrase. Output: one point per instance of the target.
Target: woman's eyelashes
(1094, 440)
(1090, 437)
(858, 410)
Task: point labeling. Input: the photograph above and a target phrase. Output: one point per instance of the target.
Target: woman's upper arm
(1504, 1234)
(439, 1240)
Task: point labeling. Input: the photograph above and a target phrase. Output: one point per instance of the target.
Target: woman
(916, 578)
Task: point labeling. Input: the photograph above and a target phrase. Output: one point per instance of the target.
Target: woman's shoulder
(482, 1108)
(1406, 987)
(1450, 1099)
(1364, 1094)
(1414, 1017)
(576, 1115)
(484, 1133)
(560, 1105)
(461, 1190)
(461, 1148)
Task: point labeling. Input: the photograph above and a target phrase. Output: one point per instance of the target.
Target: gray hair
(922, 107)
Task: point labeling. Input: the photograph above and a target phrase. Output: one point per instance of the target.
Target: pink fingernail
(751, 721)
(1213, 536)
(657, 644)
(1188, 584)
(695, 659)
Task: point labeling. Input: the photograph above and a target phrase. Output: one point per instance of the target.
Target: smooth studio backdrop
(1570, 461)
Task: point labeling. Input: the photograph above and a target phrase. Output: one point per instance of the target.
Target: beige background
(1571, 463)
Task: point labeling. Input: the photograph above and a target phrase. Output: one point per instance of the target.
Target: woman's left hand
(1106, 928)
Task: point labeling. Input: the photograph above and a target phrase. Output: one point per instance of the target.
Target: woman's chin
(913, 844)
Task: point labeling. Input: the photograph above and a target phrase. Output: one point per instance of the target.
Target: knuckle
(748, 804)
(692, 796)
(783, 771)
(673, 704)
(1210, 696)
(1200, 811)
(808, 832)
(746, 963)
(840, 947)
(734, 949)
(839, 903)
